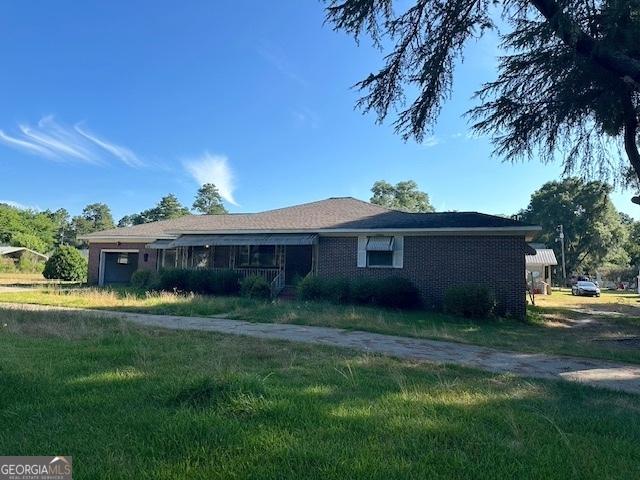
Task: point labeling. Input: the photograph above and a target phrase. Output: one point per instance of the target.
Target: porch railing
(277, 284)
(269, 274)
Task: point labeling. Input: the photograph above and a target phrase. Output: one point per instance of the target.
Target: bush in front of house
(206, 282)
(145, 280)
(255, 286)
(471, 301)
(396, 292)
(336, 290)
(66, 263)
(392, 292)
(174, 279)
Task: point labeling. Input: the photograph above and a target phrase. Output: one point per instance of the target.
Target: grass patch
(550, 328)
(133, 402)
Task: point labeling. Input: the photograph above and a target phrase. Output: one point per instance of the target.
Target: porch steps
(288, 293)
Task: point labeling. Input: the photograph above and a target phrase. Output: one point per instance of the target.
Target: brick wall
(96, 248)
(434, 263)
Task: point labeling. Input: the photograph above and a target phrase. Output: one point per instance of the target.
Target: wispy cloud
(306, 117)
(118, 151)
(213, 169)
(56, 141)
(278, 60)
(430, 141)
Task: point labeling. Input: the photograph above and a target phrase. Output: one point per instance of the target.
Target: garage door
(119, 266)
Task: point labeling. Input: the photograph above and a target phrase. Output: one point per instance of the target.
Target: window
(123, 259)
(200, 257)
(263, 256)
(380, 251)
(145, 257)
(379, 259)
(221, 257)
(169, 258)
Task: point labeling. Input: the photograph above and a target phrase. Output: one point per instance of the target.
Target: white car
(585, 288)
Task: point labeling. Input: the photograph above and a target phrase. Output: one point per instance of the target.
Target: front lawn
(132, 402)
(550, 329)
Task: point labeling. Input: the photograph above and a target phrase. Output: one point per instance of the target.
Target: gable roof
(7, 249)
(543, 256)
(333, 214)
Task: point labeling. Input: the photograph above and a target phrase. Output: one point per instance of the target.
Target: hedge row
(393, 292)
(206, 282)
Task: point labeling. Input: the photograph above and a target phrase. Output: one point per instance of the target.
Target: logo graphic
(36, 468)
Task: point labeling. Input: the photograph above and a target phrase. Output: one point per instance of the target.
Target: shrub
(255, 286)
(335, 290)
(28, 265)
(469, 301)
(66, 263)
(7, 265)
(174, 279)
(390, 292)
(206, 282)
(145, 280)
(397, 292)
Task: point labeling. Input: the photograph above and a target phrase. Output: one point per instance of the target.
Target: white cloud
(118, 151)
(213, 169)
(431, 141)
(56, 141)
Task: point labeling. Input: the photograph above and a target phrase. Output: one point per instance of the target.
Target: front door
(297, 262)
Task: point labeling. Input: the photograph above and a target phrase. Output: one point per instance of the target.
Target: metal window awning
(380, 244)
(239, 239)
(160, 244)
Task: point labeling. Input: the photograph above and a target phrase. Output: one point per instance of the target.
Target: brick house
(336, 237)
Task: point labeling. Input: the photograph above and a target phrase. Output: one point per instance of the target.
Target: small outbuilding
(539, 262)
(17, 253)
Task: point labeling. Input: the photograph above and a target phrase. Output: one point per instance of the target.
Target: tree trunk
(630, 140)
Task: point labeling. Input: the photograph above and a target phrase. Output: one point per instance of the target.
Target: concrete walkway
(598, 373)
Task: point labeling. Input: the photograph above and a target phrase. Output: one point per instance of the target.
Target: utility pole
(561, 238)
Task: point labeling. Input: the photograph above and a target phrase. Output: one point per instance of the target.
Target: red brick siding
(96, 248)
(434, 263)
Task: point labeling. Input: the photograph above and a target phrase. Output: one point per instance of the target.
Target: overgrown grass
(548, 329)
(132, 402)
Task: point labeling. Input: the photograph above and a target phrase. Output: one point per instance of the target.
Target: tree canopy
(593, 228)
(94, 218)
(401, 196)
(208, 200)
(27, 228)
(568, 80)
(168, 207)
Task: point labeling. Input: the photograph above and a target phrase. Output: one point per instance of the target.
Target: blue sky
(124, 102)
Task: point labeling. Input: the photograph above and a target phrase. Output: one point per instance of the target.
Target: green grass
(132, 402)
(548, 329)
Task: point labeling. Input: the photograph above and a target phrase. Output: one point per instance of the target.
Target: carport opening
(118, 267)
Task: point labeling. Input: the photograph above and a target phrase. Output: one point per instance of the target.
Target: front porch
(280, 259)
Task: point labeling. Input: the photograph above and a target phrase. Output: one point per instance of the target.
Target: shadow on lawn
(273, 410)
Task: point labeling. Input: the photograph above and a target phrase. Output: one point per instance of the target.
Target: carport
(117, 266)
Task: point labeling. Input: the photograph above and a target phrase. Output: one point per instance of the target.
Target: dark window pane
(266, 256)
(169, 258)
(221, 257)
(380, 259)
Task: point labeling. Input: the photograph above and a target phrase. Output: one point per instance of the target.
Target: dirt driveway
(598, 373)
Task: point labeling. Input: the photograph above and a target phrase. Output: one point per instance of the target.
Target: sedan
(585, 288)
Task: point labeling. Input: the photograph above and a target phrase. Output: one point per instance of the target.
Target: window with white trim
(380, 251)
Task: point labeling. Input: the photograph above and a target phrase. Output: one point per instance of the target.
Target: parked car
(585, 288)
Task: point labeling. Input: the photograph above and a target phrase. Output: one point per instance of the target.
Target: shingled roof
(333, 214)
